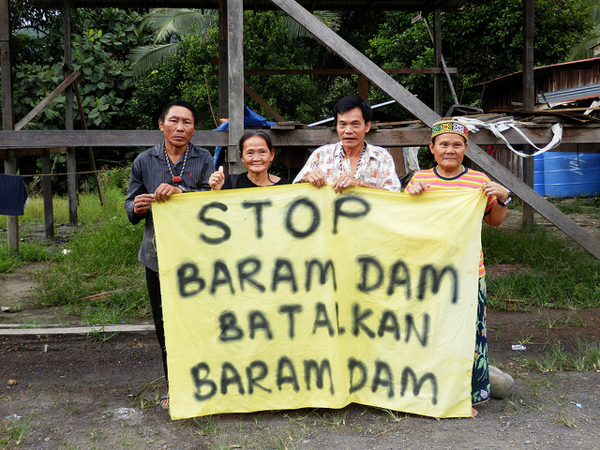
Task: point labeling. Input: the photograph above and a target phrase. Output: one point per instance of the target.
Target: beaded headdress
(449, 126)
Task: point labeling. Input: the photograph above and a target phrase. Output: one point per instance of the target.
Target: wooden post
(363, 87)
(437, 61)
(68, 70)
(90, 151)
(235, 57)
(47, 192)
(528, 98)
(8, 123)
(223, 63)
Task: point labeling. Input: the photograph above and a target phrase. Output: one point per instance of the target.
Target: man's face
(352, 128)
(178, 126)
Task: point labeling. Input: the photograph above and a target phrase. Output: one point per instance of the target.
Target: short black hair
(350, 102)
(253, 133)
(182, 103)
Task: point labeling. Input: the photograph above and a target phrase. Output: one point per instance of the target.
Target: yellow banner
(291, 297)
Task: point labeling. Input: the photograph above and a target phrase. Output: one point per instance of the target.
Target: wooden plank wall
(506, 94)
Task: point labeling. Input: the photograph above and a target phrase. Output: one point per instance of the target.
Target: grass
(556, 272)
(99, 258)
(207, 425)
(573, 319)
(102, 260)
(28, 252)
(578, 205)
(13, 428)
(586, 356)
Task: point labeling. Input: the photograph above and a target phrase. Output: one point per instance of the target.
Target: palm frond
(167, 22)
(145, 57)
(583, 49)
(595, 11)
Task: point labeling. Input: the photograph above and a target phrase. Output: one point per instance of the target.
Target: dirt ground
(86, 392)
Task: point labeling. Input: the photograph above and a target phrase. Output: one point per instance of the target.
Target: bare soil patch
(79, 392)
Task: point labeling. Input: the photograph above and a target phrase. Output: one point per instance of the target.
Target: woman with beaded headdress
(449, 140)
(172, 167)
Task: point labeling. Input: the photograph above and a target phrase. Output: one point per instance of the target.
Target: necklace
(360, 160)
(177, 179)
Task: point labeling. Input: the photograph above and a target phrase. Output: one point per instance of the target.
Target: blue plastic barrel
(569, 174)
(539, 178)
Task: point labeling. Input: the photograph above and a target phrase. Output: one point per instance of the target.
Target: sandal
(164, 401)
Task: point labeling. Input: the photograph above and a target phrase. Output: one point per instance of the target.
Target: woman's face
(178, 126)
(256, 155)
(449, 150)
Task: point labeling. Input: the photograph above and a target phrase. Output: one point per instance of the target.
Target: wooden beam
(27, 152)
(407, 71)
(5, 67)
(100, 138)
(357, 60)
(427, 116)
(30, 142)
(268, 108)
(125, 328)
(528, 195)
(45, 102)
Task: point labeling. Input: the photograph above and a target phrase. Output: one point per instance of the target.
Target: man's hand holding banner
(291, 297)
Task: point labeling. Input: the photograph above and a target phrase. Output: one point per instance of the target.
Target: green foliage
(196, 54)
(483, 41)
(169, 25)
(159, 86)
(101, 40)
(116, 179)
(267, 45)
(583, 49)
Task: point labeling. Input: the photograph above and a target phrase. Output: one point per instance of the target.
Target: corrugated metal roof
(569, 95)
(333, 5)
